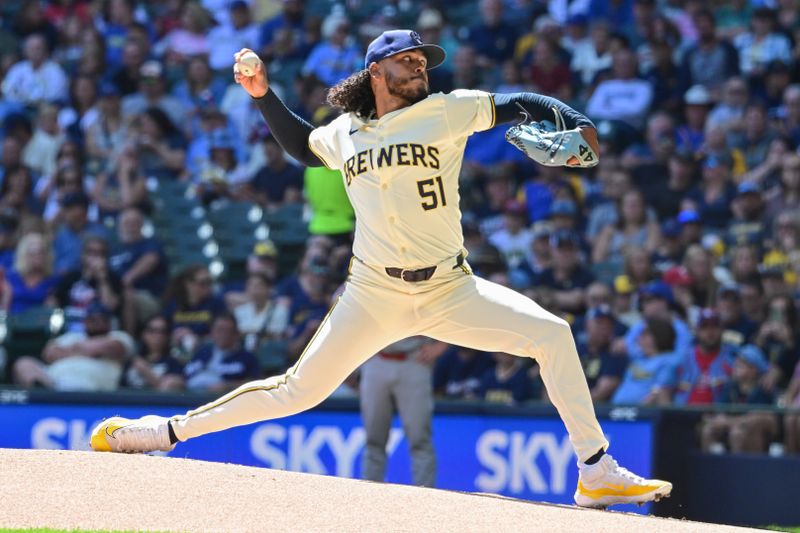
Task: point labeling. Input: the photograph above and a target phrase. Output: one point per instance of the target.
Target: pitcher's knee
(304, 392)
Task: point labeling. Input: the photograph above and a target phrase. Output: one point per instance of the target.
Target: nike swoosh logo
(353, 131)
(112, 431)
(615, 487)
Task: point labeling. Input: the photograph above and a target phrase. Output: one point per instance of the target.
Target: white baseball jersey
(401, 174)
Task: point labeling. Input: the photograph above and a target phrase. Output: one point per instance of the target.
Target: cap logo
(415, 38)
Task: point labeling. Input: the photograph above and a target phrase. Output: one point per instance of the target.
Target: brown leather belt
(422, 274)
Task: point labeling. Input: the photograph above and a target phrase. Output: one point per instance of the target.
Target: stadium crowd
(146, 210)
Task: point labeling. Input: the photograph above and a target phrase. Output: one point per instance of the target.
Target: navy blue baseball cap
(657, 289)
(393, 42)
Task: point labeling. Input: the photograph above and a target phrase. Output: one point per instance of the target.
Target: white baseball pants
(376, 310)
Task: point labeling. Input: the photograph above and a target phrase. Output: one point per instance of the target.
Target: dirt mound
(87, 490)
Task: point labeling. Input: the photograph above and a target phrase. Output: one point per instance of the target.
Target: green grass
(795, 529)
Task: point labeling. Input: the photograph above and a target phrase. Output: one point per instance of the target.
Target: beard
(402, 88)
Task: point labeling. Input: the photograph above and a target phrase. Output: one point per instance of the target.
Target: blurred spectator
(89, 282)
(549, 74)
(659, 69)
(306, 298)
(631, 229)
(493, 38)
(747, 225)
(701, 267)
(710, 61)
(279, 181)
(737, 329)
(42, 150)
(152, 92)
(36, 78)
(514, 239)
(457, 373)
(766, 173)
(200, 88)
(604, 370)
(651, 157)
(568, 277)
(221, 175)
(284, 35)
(704, 373)
(622, 96)
(141, 265)
(564, 215)
(91, 360)
(258, 317)
(614, 183)
(789, 113)
(697, 104)
(779, 337)
(231, 35)
(761, 44)
(125, 79)
(191, 306)
(123, 186)
(591, 57)
(31, 282)
(650, 377)
(190, 37)
(747, 433)
(758, 135)
(81, 111)
(73, 229)
(638, 267)
(431, 27)
(729, 111)
(53, 189)
(665, 196)
(105, 137)
(157, 144)
(16, 192)
(670, 248)
(222, 364)
(153, 367)
(785, 196)
(466, 69)
(712, 199)
(509, 382)
(8, 225)
(657, 301)
(791, 420)
(336, 57)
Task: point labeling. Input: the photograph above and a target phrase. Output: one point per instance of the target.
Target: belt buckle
(403, 275)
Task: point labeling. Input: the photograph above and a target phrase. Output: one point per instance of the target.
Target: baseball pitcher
(399, 150)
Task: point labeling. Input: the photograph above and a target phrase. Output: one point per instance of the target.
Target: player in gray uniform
(399, 376)
(400, 150)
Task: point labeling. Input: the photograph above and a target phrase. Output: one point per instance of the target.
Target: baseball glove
(552, 147)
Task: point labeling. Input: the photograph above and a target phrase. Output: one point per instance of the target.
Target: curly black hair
(354, 94)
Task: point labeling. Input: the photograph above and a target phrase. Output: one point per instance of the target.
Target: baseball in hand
(248, 64)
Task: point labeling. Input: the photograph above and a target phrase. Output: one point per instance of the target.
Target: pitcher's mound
(84, 490)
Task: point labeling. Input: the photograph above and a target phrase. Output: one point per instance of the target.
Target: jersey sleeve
(322, 142)
(468, 111)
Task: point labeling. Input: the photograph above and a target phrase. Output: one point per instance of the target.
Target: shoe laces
(624, 473)
(139, 438)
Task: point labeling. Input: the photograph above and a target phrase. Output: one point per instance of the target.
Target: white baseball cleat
(116, 434)
(606, 483)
